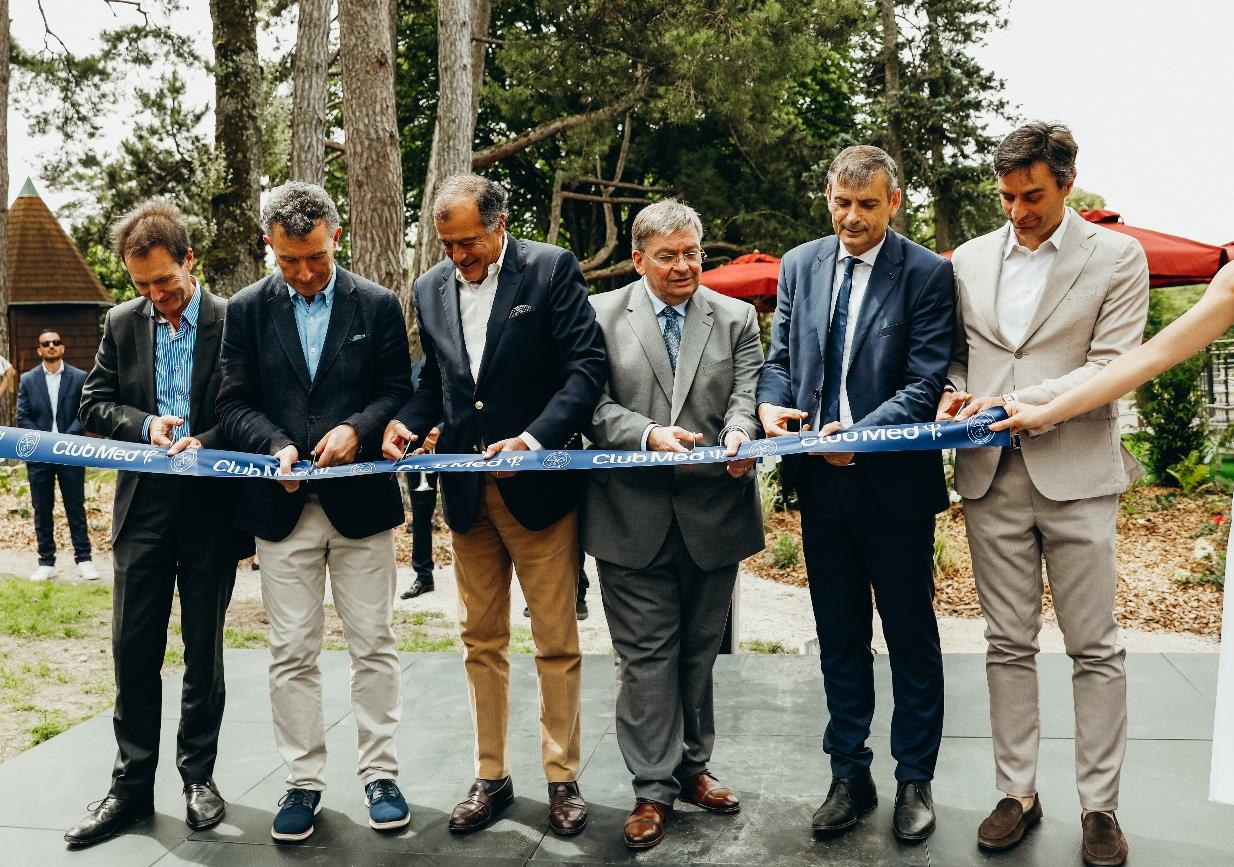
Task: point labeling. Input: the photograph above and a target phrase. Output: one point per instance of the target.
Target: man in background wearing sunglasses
(47, 400)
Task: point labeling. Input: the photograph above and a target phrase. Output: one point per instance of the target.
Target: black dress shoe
(847, 799)
(580, 609)
(913, 820)
(485, 799)
(417, 588)
(203, 805)
(106, 819)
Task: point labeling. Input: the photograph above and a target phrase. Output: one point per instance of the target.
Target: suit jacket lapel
(338, 332)
(882, 282)
(509, 282)
(1072, 256)
(143, 351)
(824, 279)
(205, 354)
(693, 340)
(646, 328)
(989, 270)
(448, 291)
(66, 387)
(285, 327)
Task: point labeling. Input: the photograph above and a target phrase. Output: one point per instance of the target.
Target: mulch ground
(1169, 549)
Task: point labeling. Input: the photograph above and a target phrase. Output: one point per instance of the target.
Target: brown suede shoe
(1104, 843)
(704, 790)
(567, 811)
(485, 799)
(1005, 827)
(645, 824)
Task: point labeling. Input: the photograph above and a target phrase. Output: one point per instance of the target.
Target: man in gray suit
(1042, 304)
(683, 365)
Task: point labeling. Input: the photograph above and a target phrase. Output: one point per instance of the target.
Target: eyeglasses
(47, 343)
(690, 257)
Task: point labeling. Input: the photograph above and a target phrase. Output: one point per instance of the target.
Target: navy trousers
(43, 497)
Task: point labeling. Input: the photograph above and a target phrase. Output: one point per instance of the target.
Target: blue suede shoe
(294, 820)
(387, 808)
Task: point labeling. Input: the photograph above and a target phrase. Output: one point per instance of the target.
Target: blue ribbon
(75, 451)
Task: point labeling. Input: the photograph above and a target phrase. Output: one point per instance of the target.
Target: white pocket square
(356, 337)
(520, 310)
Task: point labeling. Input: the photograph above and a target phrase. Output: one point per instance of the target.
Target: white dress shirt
(475, 306)
(861, 279)
(1022, 281)
(53, 391)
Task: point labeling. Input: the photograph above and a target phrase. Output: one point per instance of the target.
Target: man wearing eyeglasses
(683, 366)
(513, 361)
(47, 400)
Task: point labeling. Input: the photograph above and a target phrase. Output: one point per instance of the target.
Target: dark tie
(833, 360)
(672, 334)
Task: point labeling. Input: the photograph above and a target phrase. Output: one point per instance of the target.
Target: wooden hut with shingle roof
(51, 286)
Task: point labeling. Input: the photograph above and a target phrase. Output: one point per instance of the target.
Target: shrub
(770, 492)
(784, 552)
(1191, 473)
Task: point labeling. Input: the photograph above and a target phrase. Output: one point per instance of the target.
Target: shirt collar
(190, 312)
(327, 294)
(868, 257)
(658, 306)
(1055, 239)
(494, 268)
(47, 372)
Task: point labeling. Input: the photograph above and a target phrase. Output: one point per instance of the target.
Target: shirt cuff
(642, 443)
(145, 428)
(531, 442)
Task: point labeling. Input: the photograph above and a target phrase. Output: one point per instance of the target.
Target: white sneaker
(86, 570)
(43, 573)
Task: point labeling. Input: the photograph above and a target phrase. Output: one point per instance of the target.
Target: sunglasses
(47, 343)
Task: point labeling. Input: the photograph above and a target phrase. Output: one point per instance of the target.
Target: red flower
(1218, 519)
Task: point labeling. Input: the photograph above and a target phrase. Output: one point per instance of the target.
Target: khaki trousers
(293, 586)
(547, 565)
(1010, 529)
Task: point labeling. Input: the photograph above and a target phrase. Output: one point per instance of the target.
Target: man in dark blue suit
(47, 400)
(862, 337)
(513, 360)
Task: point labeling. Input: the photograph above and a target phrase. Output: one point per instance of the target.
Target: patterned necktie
(672, 334)
(833, 360)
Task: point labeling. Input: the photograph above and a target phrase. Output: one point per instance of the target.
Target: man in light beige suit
(1043, 304)
(683, 362)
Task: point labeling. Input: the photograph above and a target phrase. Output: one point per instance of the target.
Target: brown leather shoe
(645, 824)
(704, 790)
(567, 811)
(1104, 843)
(1005, 827)
(485, 799)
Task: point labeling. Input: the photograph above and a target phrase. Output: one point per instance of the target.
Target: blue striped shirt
(173, 365)
(312, 322)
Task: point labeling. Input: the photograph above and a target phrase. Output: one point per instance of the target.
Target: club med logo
(556, 460)
(27, 444)
(363, 469)
(979, 428)
(762, 448)
(183, 462)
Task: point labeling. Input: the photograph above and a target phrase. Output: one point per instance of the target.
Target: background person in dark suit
(862, 336)
(513, 360)
(154, 381)
(315, 362)
(47, 400)
(423, 505)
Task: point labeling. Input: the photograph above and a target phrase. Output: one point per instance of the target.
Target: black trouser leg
(43, 498)
(73, 492)
(583, 581)
(423, 504)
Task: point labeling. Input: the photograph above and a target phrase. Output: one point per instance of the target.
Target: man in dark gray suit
(154, 381)
(683, 364)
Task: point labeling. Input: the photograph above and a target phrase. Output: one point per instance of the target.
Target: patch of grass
(419, 641)
(420, 618)
(760, 645)
(334, 644)
(243, 639)
(521, 640)
(174, 656)
(784, 552)
(52, 724)
(50, 609)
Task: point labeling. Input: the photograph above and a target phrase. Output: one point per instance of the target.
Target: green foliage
(763, 646)
(770, 493)
(1172, 405)
(1140, 444)
(243, 639)
(52, 724)
(1084, 200)
(1192, 474)
(944, 559)
(785, 552)
(50, 610)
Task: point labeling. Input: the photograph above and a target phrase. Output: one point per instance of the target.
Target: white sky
(1147, 87)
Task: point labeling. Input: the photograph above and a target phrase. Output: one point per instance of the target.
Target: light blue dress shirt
(312, 322)
(173, 366)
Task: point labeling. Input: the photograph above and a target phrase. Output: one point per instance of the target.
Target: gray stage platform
(770, 716)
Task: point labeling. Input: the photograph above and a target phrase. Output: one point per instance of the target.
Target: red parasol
(753, 277)
(1172, 261)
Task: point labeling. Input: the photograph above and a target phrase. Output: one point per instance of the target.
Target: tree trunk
(940, 191)
(237, 256)
(6, 403)
(374, 163)
(482, 17)
(455, 125)
(891, 97)
(309, 72)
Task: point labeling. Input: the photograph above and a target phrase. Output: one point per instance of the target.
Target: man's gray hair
(664, 218)
(491, 198)
(857, 166)
(297, 206)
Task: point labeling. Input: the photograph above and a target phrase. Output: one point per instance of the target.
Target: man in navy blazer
(47, 400)
(513, 360)
(861, 337)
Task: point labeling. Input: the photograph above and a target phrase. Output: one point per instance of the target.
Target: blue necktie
(672, 334)
(833, 360)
